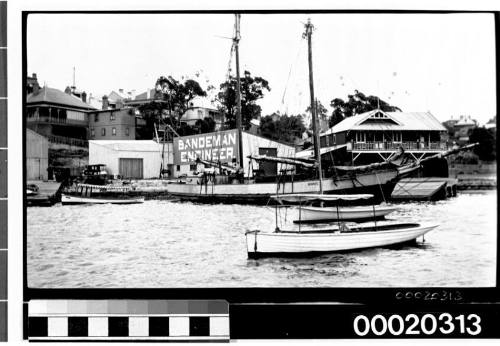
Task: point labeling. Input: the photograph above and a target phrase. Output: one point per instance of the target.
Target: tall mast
(317, 155)
(236, 41)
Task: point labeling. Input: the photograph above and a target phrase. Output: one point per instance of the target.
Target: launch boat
(99, 194)
(332, 238)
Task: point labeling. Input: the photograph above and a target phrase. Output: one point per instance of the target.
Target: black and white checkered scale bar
(105, 320)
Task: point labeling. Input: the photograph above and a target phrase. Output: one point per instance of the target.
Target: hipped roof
(57, 97)
(394, 121)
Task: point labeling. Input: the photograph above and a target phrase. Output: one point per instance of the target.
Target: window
(113, 131)
(96, 117)
(92, 132)
(360, 137)
(103, 132)
(331, 140)
(193, 167)
(200, 113)
(397, 136)
(112, 116)
(178, 168)
(127, 131)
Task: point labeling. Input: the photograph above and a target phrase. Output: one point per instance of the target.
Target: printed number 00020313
(413, 324)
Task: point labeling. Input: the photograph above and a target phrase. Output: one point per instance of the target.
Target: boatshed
(133, 159)
(37, 156)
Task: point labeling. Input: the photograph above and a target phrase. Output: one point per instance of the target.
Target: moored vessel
(286, 241)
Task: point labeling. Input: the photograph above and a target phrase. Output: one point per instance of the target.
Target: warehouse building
(223, 146)
(142, 159)
(130, 159)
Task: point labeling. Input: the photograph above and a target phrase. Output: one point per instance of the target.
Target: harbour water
(170, 244)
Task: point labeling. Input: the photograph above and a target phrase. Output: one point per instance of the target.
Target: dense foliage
(486, 150)
(283, 128)
(252, 89)
(357, 103)
(171, 100)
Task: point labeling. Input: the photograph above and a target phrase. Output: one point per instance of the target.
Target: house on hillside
(374, 136)
(61, 117)
(145, 97)
(199, 109)
(112, 124)
(463, 127)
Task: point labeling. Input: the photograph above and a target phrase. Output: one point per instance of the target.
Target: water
(167, 244)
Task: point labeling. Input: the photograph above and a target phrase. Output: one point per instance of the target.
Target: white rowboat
(261, 244)
(66, 199)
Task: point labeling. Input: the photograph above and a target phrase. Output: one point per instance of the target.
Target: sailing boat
(379, 181)
(286, 241)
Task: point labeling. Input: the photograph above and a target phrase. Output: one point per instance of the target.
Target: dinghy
(308, 213)
(321, 214)
(333, 238)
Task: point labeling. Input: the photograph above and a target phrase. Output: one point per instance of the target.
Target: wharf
(476, 182)
(49, 193)
(150, 188)
(430, 189)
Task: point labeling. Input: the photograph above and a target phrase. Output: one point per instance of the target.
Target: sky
(442, 63)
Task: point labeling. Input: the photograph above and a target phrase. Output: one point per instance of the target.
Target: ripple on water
(166, 244)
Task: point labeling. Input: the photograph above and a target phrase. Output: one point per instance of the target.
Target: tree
(205, 125)
(252, 89)
(285, 128)
(486, 150)
(171, 100)
(357, 103)
(177, 95)
(321, 111)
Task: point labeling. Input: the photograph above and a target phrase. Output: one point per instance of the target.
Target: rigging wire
(294, 62)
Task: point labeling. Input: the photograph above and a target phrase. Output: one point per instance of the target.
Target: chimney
(84, 97)
(36, 88)
(67, 90)
(105, 103)
(121, 91)
(119, 103)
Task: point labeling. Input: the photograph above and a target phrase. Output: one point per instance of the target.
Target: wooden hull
(380, 184)
(260, 244)
(317, 214)
(67, 200)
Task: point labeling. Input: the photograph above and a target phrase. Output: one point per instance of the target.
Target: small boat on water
(332, 238)
(317, 214)
(100, 194)
(309, 213)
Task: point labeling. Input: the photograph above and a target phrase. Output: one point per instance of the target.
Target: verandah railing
(397, 145)
(68, 140)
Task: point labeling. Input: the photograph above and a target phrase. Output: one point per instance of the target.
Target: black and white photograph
(260, 149)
